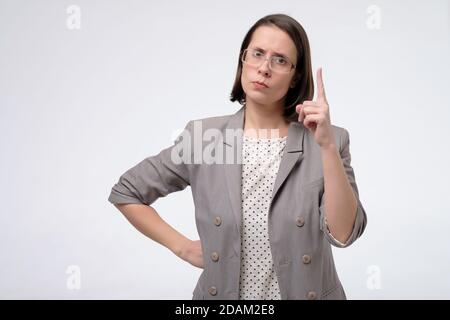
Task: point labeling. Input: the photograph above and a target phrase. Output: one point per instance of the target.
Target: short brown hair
(304, 86)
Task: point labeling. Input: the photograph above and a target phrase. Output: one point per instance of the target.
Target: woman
(265, 222)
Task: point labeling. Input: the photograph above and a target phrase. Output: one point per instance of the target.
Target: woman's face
(272, 40)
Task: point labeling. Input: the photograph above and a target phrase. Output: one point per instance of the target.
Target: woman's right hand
(192, 253)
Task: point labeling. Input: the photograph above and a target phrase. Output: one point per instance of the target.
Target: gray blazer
(300, 243)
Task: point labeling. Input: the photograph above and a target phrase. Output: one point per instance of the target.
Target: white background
(78, 107)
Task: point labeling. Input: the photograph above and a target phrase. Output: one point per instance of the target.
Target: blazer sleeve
(155, 176)
(361, 217)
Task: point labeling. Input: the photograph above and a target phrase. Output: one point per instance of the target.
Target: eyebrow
(276, 53)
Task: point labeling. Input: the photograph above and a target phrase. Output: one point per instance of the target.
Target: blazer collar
(294, 142)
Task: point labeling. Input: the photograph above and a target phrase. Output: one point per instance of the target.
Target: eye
(257, 53)
(280, 60)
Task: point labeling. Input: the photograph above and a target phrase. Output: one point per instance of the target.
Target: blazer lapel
(293, 153)
(233, 171)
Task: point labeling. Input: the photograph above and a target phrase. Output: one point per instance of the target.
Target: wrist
(181, 247)
(329, 148)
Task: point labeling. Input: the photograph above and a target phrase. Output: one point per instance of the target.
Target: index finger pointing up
(320, 86)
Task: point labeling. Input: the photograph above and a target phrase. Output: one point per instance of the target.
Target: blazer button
(215, 256)
(300, 222)
(312, 295)
(306, 259)
(212, 291)
(217, 221)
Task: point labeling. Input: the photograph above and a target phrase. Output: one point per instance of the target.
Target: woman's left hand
(315, 116)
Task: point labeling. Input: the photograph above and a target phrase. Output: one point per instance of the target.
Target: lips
(261, 83)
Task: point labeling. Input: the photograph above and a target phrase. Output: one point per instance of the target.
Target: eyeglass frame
(293, 66)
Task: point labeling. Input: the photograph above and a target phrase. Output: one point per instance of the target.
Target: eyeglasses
(256, 58)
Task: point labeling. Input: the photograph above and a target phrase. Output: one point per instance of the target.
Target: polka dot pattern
(261, 161)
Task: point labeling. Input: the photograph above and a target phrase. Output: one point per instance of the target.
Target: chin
(260, 98)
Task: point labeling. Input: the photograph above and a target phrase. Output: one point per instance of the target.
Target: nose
(264, 69)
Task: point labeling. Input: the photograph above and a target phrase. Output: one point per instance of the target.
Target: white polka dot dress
(261, 161)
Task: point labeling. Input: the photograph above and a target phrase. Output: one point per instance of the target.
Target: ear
(293, 84)
(294, 81)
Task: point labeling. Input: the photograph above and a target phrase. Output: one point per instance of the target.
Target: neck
(259, 116)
